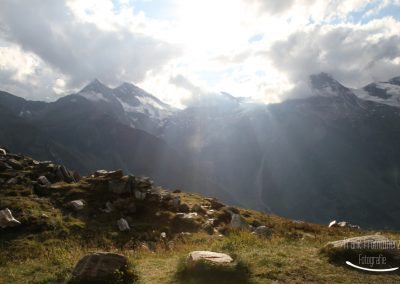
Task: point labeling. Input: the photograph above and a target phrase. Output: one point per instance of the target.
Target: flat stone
(209, 256)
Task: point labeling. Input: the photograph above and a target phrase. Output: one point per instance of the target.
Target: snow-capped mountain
(333, 154)
(141, 109)
(381, 92)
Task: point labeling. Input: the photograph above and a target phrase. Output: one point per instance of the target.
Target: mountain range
(332, 155)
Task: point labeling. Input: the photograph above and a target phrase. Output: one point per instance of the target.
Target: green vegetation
(52, 238)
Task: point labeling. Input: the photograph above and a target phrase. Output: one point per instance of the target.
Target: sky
(181, 49)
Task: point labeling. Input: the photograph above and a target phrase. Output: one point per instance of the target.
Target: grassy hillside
(52, 236)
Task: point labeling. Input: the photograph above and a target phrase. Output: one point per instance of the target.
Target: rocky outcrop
(342, 224)
(208, 256)
(99, 267)
(7, 219)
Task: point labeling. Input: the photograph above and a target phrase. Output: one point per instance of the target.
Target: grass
(51, 240)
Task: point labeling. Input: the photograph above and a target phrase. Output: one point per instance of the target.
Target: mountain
(332, 155)
(333, 148)
(91, 129)
(387, 93)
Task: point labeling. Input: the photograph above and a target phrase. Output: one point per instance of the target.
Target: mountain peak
(96, 86)
(323, 80)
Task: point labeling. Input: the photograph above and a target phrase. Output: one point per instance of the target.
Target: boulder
(369, 244)
(263, 231)
(123, 225)
(215, 204)
(3, 152)
(184, 208)
(76, 204)
(15, 164)
(237, 222)
(175, 203)
(99, 267)
(208, 256)
(64, 175)
(42, 180)
(7, 219)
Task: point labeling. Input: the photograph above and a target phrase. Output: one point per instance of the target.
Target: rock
(4, 166)
(123, 225)
(109, 174)
(184, 208)
(175, 203)
(177, 191)
(208, 256)
(7, 219)
(15, 164)
(42, 180)
(186, 215)
(163, 235)
(197, 208)
(76, 204)
(342, 224)
(63, 174)
(12, 181)
(215, 204)
(77, 177)
(118, 187)
(140, 195)
(263, 231)
(3, 152)
(108, 207)
(98, 267)
(237, 222)
(365, 244)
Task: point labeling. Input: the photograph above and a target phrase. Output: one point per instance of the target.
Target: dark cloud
(353, 55)
(80, 51)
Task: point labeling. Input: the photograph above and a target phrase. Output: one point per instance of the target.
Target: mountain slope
(49, 235)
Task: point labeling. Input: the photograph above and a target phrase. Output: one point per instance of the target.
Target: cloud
(353, 54)
(81, 50)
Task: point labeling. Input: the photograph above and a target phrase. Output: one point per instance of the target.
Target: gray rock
(209, 256)
(3, 152)
(237, 222)
(42, 180)
(77, 204)
(7, 219)
(98, 267)
(123, 225)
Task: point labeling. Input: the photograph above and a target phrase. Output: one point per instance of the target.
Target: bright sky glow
(262, 49)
